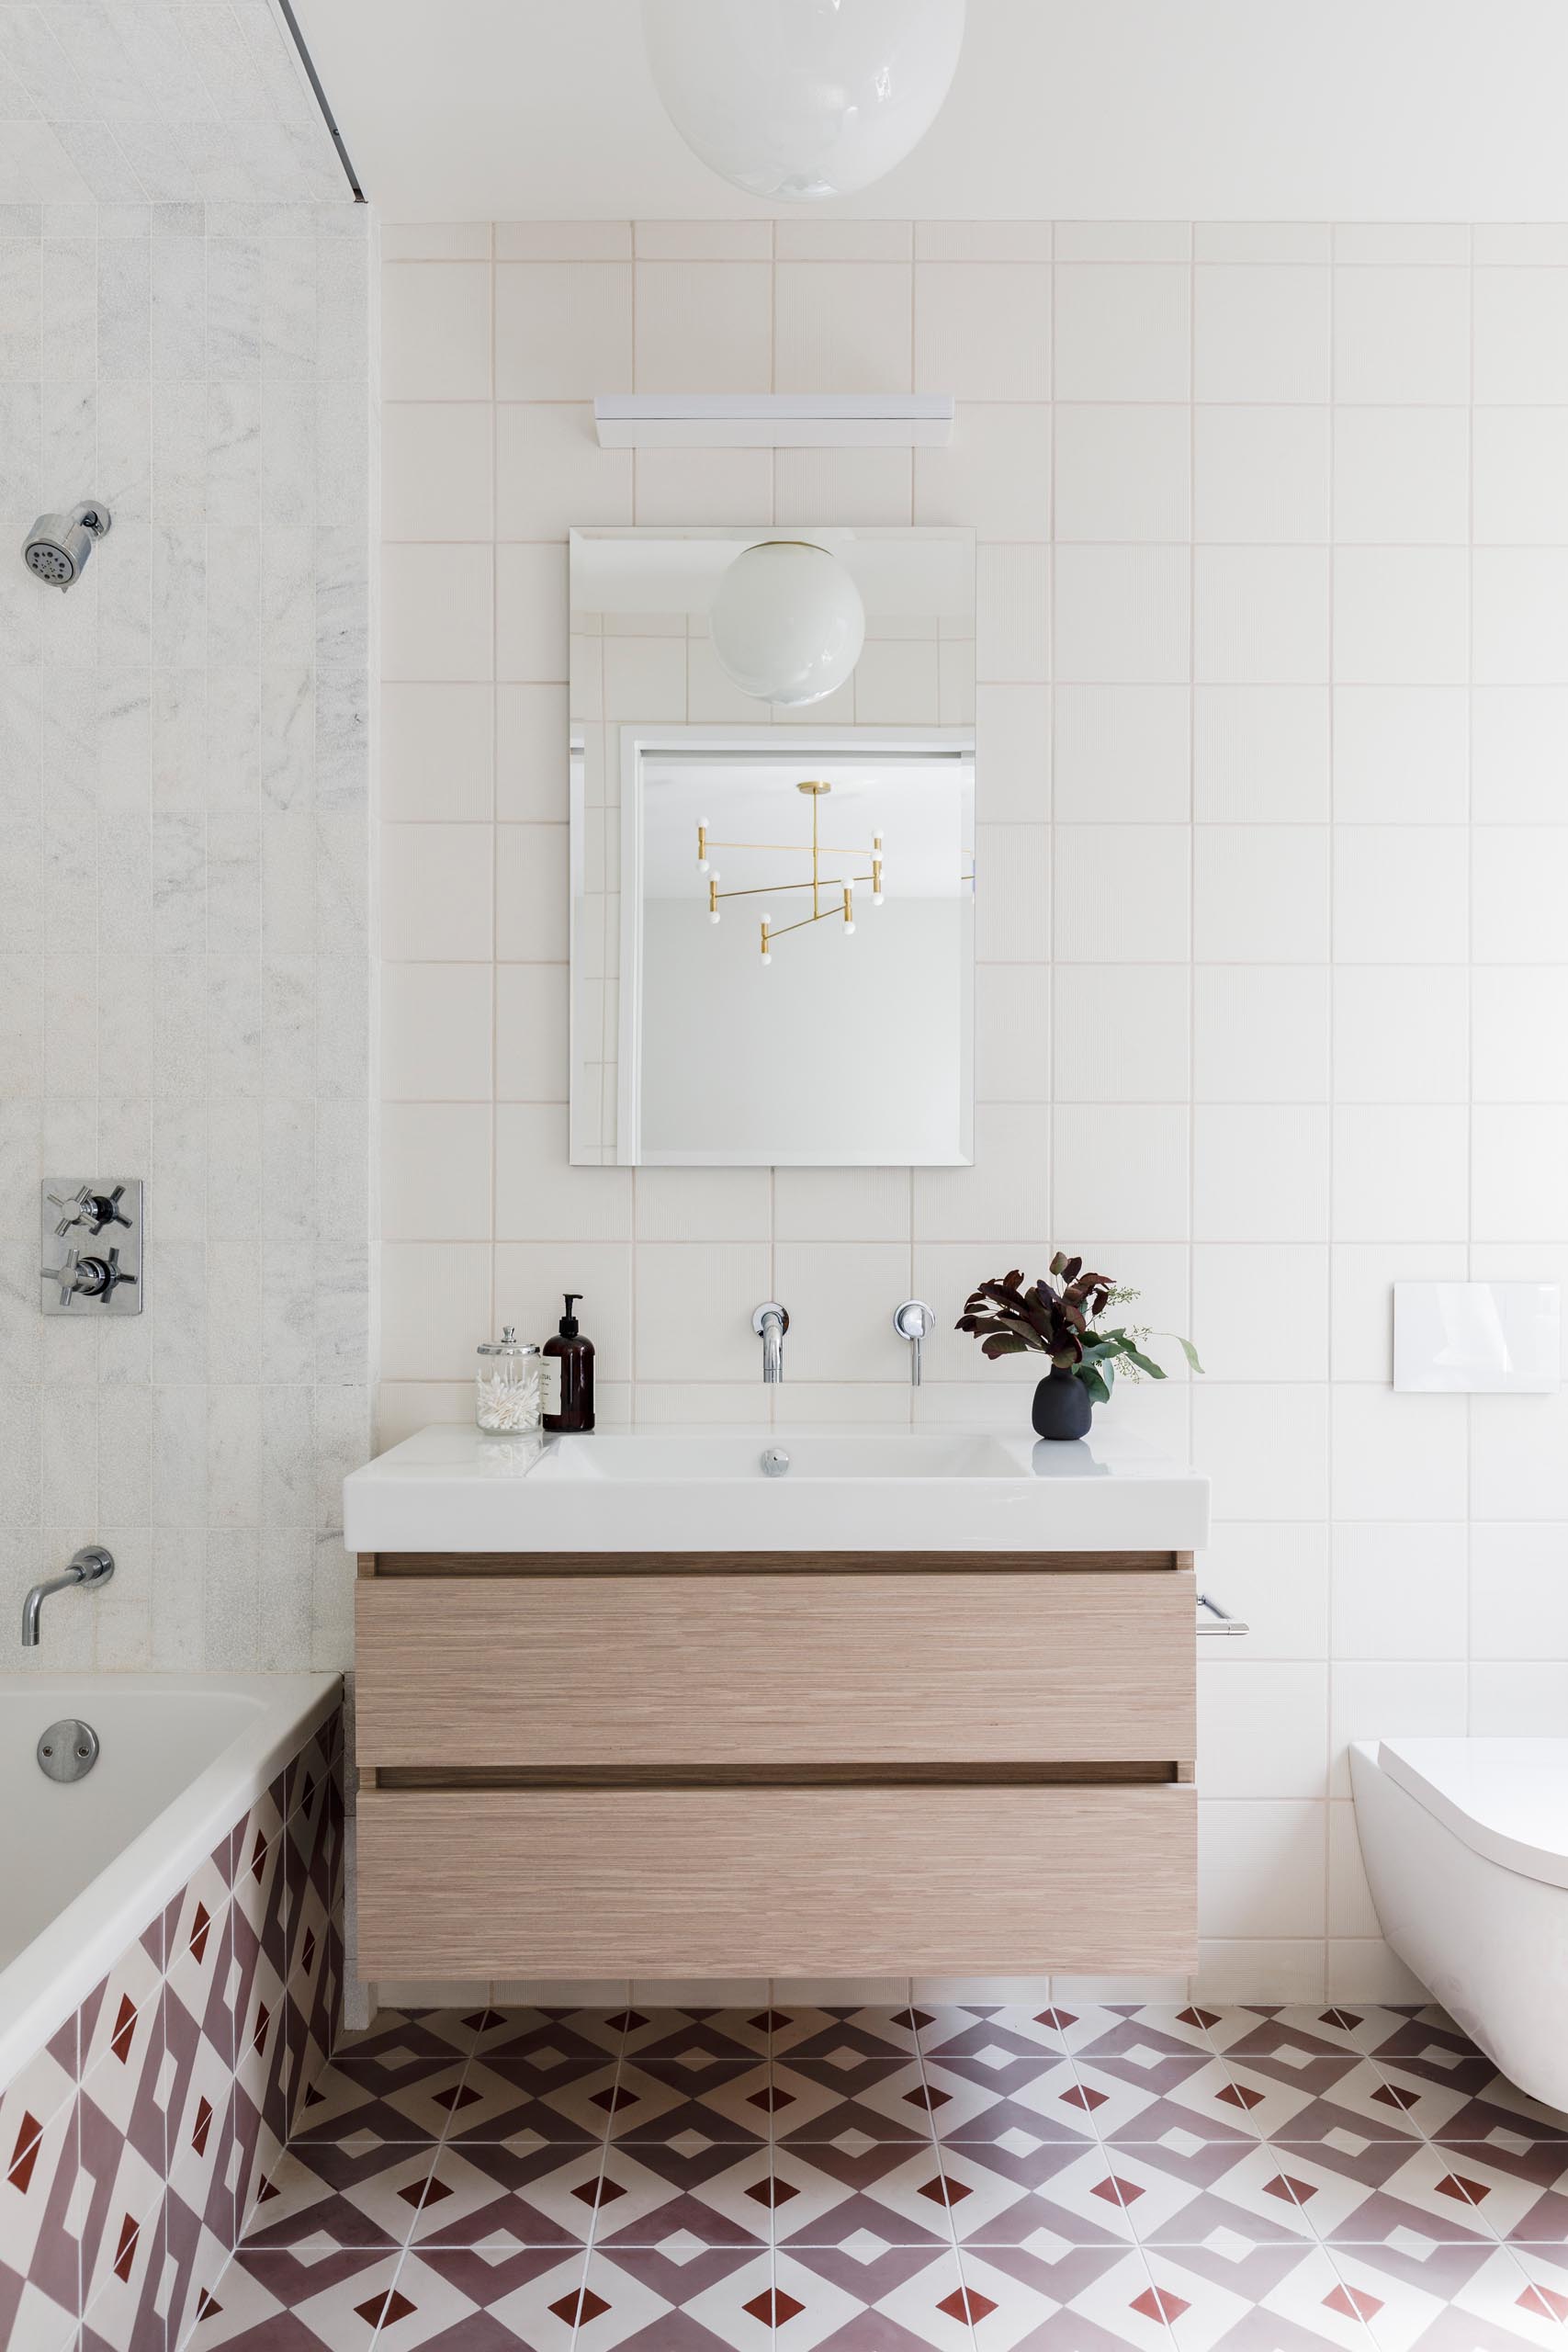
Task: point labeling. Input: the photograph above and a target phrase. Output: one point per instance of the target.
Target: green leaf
(1144, 1363)
(1099, 1388)
(1190, 1352)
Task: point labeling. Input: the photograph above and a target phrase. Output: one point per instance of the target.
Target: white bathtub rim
(51, 1977)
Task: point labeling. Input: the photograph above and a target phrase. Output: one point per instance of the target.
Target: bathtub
(170, 1962)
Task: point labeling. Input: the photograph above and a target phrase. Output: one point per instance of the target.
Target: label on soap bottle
(550, 1384)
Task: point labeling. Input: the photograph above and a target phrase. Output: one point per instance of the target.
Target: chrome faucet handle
(88, 1277)
(84, 1207)
(912, 1322)
(770, 1321)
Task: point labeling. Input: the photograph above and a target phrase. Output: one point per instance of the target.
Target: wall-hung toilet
(1466, 1847)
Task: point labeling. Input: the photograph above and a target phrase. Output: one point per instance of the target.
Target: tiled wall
(184, 813)
(1274, 985)
(133, 2148)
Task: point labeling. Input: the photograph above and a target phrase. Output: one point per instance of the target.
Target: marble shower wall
(185, 333)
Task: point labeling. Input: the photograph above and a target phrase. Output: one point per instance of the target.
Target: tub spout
(91, 1565)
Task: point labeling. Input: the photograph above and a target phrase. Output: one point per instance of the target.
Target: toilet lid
(1506, 1798)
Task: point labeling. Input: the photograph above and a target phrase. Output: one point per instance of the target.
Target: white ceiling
(1085, 109)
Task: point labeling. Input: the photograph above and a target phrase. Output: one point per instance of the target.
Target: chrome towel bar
(1212, 1619)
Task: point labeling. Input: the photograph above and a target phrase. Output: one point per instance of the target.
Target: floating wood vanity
(789, 1762)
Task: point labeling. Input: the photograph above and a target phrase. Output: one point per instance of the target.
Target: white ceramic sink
(452, 1490)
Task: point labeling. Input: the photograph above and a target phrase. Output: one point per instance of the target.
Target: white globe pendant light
(797, 99)
(787, 622)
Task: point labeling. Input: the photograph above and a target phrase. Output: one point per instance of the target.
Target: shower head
(58, 545)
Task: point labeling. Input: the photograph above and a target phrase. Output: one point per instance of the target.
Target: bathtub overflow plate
(68, 1749)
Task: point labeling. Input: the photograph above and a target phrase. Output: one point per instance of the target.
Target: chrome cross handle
(87, 1277)
(912, 1322)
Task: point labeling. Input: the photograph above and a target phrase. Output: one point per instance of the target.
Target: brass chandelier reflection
(832, 896)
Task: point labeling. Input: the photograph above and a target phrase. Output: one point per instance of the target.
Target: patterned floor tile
(1046, 2297)
(721, 2194)
(323, 2194)
(1493, 2305)
(663, 2100)
(298, 2301)
(818, 2033)
(484, 2301)
(986, 2093)
(1367, 2194)
(584, 2034)
(361, 2099)
(816, 2099)
(400, 2038)
(1072, 2193)
(735, 2037)
(962, 2033)
(1118, 2032)
(1276, 2299)
(1178, 2196)
(825, 2195)
(680, 2299)
(865, 2298)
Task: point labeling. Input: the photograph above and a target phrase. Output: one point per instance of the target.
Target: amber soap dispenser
(568, 1376)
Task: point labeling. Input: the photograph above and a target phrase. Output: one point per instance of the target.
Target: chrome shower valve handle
(913, 1321)
(94, 1210)
(88, 1277)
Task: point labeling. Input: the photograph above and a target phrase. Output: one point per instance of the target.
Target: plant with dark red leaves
(1058, 1316)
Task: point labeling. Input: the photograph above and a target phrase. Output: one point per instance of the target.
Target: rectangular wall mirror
(773, 901)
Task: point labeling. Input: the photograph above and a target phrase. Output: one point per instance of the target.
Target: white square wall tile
(1260, 1172)
(703, 323)
(551, 473)
(436, 474)
(1401, 755)
(1519, 1595)
(1014, 753)
(1401, 1173)
(1260, 615)
(563, 329)
(531, 893)
(843, 327)
(1012, 614)
(1235, 1341)
(1121, 893)
(841, 1203)
(1123, 1033)
(1519, 1457)
(530, 1021)
(1520, 1172)
(995, 473)
(1400, 1589)
(1260, 1868)
(1402, 475)
(1520, 875)
(1265, 1445)
(1006, 1193)
(436, 751)
(983, 330)
(1363, 1276)
(1521, 616)
(685, 486)
(1122, 331)
(539, 1197)
(435, 1307)
(1522, 476)
(1402, 615)
(1012, 1033)
(1121, 1168)
(1521, 335)
(1260, 1033)
(841, 1297)
(1122, 753)
(1262, 1728)
(703, 1204)
(530, 614)
(1012, 893)
(1123, 472)
(1261, 334)
(1520, 738)
(435, 334)
(436, 613)
(435, 1171)
(1122, 613)
(1397, 1456)
(694, 1301)
(1519, 1032)
(1402, 334)
(1400, 1033)
(530, 1277)
(1260, 474)
(435, 893)
(1260, 893)
(1261, 754)
(436, 1032)
(531, 754)
(1401, 894)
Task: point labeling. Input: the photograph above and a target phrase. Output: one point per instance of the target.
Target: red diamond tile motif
(125, 2252)
(1239, 2094)
(202, 2126)
(1391, 2095)
(1544, 2303)
(579, 2308)
(124, 2032)
(200, 1926)
(1158, 2304)
(1057, 2019)
(1202, 2018)
(1351, 2304)
(1289, 2191)
(771, 2307)
(1468, 2192)
(1082, 2096)
(963, 2303)
(384, 2310)
(24, 2156)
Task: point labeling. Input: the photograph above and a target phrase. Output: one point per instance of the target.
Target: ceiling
(1085, 109)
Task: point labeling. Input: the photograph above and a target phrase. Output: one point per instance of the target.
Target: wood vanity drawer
(757, 1882)
(968, 1667)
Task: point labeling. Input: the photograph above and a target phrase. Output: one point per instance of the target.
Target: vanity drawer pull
(968, 1667)
(509, 1882)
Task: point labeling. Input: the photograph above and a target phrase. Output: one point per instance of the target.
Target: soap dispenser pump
(568, 1376)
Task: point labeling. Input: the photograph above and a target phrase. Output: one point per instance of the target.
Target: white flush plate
(1493, 1337)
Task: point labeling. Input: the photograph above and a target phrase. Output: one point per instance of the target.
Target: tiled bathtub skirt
(132, 2149)
(1176, 2180)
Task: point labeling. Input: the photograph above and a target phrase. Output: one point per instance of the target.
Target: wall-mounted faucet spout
(91, 1565)
(770, 1322)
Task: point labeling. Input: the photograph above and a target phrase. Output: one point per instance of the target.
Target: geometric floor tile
(1075, 2178)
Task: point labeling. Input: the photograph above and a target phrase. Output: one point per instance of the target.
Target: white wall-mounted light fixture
(774, 419)
(800, 99)
(787, 622)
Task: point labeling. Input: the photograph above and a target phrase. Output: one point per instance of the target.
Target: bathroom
(607, 1885)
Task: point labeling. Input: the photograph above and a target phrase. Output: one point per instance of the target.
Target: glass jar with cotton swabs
(508, 1397)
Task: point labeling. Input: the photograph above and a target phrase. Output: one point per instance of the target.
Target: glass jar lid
(509, 1344)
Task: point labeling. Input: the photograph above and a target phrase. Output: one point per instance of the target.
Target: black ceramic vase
(1062, 1407)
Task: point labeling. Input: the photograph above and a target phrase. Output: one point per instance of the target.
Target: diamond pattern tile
(1073, 2179)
